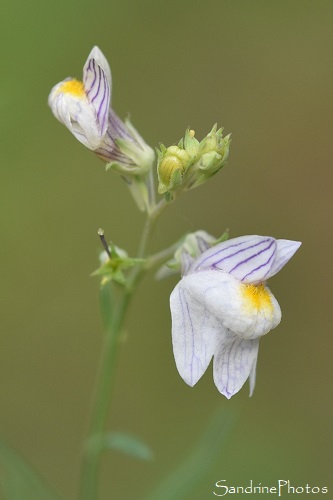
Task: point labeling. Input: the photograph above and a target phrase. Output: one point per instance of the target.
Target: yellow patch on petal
(257, 297)
(74, 87)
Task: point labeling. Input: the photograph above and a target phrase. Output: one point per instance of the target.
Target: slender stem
(147, 231)
(93, 449)
(163, 255)
(102, 399)
(151, 189)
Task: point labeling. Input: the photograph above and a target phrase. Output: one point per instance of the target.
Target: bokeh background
(261, 69)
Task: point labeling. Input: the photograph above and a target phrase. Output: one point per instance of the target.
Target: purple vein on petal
(90, 68)
(98, 91)
(117, 126)
(201, 260)
(230, 256)
(184, 306)
(101, 109)
(230, 380)
(113, 154)
(245, 261)
(99, 79)
(226, 247)
(259, 267)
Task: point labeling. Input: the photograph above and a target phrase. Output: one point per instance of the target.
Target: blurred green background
(263, 70)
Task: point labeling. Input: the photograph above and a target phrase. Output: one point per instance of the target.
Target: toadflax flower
(222, 307)
(84, 107)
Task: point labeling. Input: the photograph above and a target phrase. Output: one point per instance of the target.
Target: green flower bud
(172, 163)
(191, 144)
(191, 162)
(213, 152)
(210, 142)
(214, 142)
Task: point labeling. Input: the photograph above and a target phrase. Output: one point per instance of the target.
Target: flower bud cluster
(191, 162)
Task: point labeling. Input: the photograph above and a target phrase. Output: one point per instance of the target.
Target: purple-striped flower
(222, 306)
(84, 107)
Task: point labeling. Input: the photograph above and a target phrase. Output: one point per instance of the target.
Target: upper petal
(97, 84)
(247, 258)
(195, 333)
(250, 259)
(234, 363)
(284, 251)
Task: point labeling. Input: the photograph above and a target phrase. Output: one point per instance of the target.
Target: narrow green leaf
(19, 481)
(179, 484)
(129, 445)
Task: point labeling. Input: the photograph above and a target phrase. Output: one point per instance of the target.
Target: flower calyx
(113, 264)
(190, 247)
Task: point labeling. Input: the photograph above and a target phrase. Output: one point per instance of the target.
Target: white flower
(222, 307)
(84, 107)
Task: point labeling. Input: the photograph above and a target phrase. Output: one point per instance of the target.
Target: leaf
(19, 481)
(185, 477)
(128, 444)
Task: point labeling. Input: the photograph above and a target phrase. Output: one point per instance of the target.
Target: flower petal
(97, 84)
(284, 251)
(234, 363)
(246, 310)
(248, 258)
(74, 111)
(109, 149)
(195, 333)
(252, 377)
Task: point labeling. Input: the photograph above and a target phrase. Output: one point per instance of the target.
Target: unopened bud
(191, 163)
(172, 164)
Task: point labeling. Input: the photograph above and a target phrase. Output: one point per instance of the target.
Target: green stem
(93, 448)
(149, 226)
(102, 399)
(160, 257)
